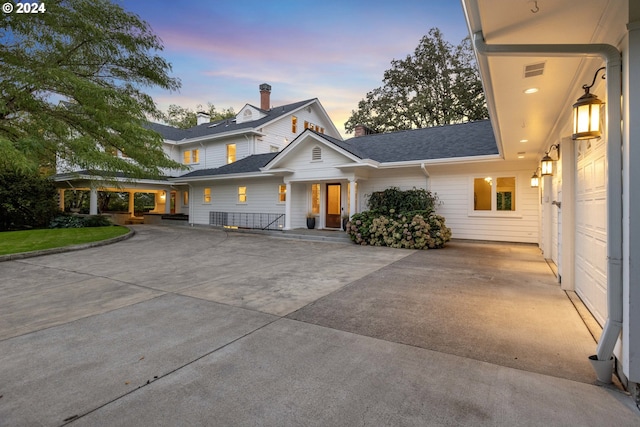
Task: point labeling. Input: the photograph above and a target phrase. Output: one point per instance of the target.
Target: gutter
(612, 57)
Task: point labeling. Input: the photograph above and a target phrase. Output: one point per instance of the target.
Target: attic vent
(533, 70)
(316, 154)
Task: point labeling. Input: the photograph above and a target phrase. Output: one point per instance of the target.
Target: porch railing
(261, 221)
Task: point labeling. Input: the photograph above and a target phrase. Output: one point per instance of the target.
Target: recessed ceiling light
(521, 154)
(531, 90)
(524, 140)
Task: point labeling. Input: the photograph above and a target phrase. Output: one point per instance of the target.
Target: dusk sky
(333, 50)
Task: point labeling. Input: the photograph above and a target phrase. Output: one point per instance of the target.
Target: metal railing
(261, 221)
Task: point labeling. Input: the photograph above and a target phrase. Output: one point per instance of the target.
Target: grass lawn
(12, 242)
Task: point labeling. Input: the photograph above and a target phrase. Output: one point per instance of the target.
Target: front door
(333, 206)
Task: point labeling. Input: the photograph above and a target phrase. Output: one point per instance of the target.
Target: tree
(184, 118)
(71, 87)
(27, 200)
(439, 84)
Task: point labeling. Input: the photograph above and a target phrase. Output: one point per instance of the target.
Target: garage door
(591, 228)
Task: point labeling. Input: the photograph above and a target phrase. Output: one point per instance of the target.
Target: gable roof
(227, 125)
(245, 165)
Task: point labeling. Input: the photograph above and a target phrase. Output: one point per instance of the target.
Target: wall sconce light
(535, 180)
(163, 196)
(586, 113)
(546, 164)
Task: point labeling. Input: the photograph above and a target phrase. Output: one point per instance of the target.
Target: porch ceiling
(541, 118)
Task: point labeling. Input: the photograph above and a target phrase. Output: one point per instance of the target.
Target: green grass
(12, 242)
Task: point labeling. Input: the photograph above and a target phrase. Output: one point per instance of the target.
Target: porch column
(353, 185)
(93, 201)
(132, 205)
(567, 215)
(167, 201)
(546, 216)
(287, 207)
(61, 199)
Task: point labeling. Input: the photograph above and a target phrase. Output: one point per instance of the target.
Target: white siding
(455, 192)
(262, 197)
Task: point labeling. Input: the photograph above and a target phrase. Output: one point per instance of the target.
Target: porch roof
(245, 165)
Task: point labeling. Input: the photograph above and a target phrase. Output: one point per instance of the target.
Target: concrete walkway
(180, 326)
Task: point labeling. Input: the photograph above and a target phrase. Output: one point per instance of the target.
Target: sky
(333, 50)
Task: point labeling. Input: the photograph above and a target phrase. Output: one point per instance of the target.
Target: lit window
(274, 149)
(207, 195)
(294, 124)
(316, 154)
(282, 193)
(195, 155)
(321, 130)
(502, 190)
(231, 153)
(242, 194)
(185, 198)
(315, 198)
(306, 124)
(187, 157)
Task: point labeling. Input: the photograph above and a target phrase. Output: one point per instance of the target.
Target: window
(207, 195)
(273, 149)
(282, 193)
(315, 198)
(195, 156)
(185, 198)
(231, 153)
(316, 154)
(242, 194)
(294, 124)
(187, 157)
(502, 190)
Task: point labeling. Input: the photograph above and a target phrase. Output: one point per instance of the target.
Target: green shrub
(76, 221)
(27, 200)
(400, 219)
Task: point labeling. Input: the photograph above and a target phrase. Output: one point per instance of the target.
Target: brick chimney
(362, 130)
(265, 96)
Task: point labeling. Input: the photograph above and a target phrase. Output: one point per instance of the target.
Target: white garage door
(591, 227)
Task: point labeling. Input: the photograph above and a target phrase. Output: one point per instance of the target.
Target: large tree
(184, 118)
(72, 83)
(439, 84)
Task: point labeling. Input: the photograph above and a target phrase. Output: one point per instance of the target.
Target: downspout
(612, 56)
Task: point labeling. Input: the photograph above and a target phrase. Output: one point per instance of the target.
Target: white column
(132, 206)
(352, 197)
(567, 254)
(287, 207)
(546, 215)
(167, 201)
(93, 201)
(61, 199)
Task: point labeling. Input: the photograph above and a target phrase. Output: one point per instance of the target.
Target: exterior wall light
(546, 164)
(535, 180)
(586, 113)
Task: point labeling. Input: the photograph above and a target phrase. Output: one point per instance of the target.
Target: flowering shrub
(398, 230)
(414, 225)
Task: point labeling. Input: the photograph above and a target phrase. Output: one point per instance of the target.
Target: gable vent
(316, 153)
(533, 70)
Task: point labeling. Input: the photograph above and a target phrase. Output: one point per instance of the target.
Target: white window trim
(246, 197)
(494, 213)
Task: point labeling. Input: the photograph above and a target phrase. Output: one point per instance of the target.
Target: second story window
(231, 153)
(195, 156)
(294, 124)
(187, 157)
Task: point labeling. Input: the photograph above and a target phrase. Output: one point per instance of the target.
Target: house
(254, 130)
(537, 62)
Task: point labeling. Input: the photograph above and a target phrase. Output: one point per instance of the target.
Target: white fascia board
(219, 177)
(366, 163)
(281, 171)
(452, 161)
(85, 177)
(219, 136)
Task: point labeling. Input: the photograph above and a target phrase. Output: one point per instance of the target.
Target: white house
(534, 58)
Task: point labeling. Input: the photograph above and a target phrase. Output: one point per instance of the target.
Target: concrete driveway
(181, 326)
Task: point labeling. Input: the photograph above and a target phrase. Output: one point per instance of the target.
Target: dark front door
(333, 206)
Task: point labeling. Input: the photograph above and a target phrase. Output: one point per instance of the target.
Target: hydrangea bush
(414, 229)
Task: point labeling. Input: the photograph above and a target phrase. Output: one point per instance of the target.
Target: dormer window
(316, 154)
